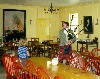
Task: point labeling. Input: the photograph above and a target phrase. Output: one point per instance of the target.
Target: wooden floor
(65, 71)
(2, 71)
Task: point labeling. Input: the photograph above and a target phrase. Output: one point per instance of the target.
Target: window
(73, 20)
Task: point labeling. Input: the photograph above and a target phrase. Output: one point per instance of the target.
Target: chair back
(43, 73)
(93, 66)
(58, 40)
(3, 59)
(50, 41)
(8, 65)
(77, 60)
(95, 52)
(8, 44)
(30, 45)
(14, 68)
(57, 77)
(20, 72)
(31, 69)
(83, 49)
(35, 39)
(0, 41)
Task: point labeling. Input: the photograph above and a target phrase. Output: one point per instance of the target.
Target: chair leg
(36, 52)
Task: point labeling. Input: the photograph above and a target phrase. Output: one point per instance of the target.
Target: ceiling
(56, 3)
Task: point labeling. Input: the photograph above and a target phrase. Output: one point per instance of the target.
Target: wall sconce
(96, 22)
(51, 10)
(30, 21)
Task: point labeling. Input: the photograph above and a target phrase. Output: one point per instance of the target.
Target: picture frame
(14, 24)
(88, 28)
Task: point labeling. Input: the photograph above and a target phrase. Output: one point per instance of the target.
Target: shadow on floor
(2, 71)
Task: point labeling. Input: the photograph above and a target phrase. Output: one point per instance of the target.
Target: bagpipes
(77, 28)
(71, 33)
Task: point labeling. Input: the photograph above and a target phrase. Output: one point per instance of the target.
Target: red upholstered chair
(4, 59)
(8, 65)
(20, 72)
(95, 52)
(31, 68)
(93, 55)
(77, 60)
(14, 68)
(72, 54)
(57, 77)
(83, 49)
(43, 73)
(93, 66)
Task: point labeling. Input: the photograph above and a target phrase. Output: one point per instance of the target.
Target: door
(43, 29)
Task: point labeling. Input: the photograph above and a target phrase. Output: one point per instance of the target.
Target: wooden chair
(8, 46)
(37, 48)
(43, 73)
(55, 49)
(31, 46)
(48, 48)
(50, 41)
(57, 77)
(16, 45)
(41, 50)
(58, 40)
(31, 68)
(1, 50)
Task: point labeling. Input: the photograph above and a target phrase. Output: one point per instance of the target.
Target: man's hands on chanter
(69, 42)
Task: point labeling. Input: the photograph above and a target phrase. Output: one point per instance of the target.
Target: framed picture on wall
(14, 24)
(88, 28)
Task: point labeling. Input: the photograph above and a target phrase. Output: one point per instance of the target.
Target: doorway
(43, 29)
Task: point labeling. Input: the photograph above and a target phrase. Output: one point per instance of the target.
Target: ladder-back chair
(43, 73)
(31, 69)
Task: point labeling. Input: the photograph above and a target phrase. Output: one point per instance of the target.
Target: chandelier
(51, 10)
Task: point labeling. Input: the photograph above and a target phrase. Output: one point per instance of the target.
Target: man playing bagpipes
(67, 37)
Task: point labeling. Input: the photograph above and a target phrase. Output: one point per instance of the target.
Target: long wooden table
(65, 71)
